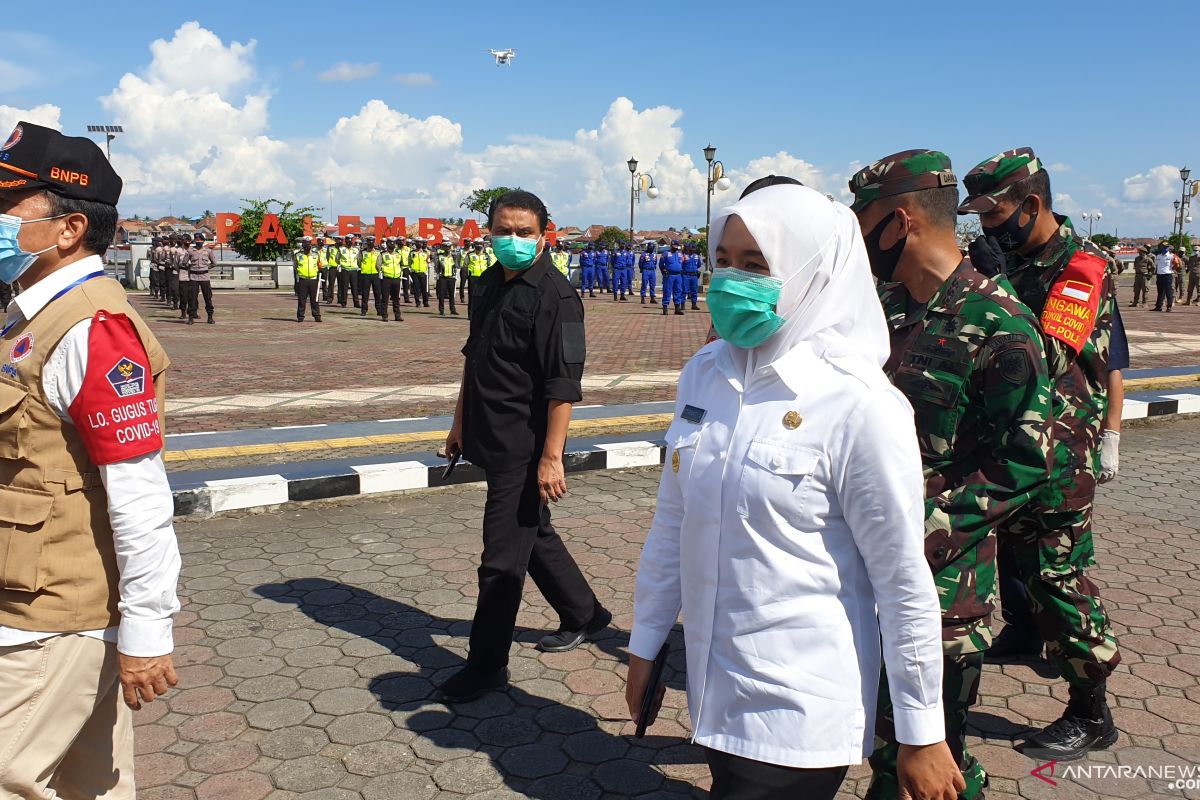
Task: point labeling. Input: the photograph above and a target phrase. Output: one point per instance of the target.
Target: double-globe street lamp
(1091, 217)
(638, 182)
(1181, 205)
(716, 182)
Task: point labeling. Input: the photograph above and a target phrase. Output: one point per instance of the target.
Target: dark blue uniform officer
(587, 271)
(691, 276)
(671, 265)
(649, 273)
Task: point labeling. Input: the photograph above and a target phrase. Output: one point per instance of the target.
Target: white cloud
(196, 60)
(45, 114)
(345, 71)
(415, 79)
(1158, 184)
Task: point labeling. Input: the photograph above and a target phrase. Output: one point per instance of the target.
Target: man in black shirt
(524, 364)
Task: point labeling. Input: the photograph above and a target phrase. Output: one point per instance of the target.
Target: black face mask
(883, 262)
(1011, 235)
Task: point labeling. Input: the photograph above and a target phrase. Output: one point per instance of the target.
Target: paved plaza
(312, 637)
(257, 367)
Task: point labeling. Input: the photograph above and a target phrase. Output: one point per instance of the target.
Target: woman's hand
(928, 772)
(635, 689)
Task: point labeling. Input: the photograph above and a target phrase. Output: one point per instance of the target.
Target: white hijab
(813, 244)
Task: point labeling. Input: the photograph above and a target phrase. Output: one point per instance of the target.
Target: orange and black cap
(36, 157)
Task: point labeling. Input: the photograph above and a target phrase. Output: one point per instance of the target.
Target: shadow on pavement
(542, 748)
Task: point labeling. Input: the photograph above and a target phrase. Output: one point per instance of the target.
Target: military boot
(1086, 725)
(211, 321)
(664, 311)
(1012, 642)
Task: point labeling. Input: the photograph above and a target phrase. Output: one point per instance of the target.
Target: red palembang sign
(428, 227)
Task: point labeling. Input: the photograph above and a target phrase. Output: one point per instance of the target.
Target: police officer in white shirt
(789, 520)
(88, 557)
(1164, 275)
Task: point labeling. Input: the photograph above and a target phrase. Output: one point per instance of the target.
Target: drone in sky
(503, 57)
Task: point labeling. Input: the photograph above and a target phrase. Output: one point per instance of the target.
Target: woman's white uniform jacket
(789, 530)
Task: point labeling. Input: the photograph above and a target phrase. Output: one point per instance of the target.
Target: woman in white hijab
(789, 523)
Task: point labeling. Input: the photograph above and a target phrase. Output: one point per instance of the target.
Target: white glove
(1110, 461)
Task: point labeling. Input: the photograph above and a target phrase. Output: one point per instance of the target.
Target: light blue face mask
(515, 252)
(13, 260)
(742, 306)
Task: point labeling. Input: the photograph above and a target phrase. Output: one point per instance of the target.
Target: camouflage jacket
(971, 363)
(1080, 380)
(1144, 265)
(1193, 265)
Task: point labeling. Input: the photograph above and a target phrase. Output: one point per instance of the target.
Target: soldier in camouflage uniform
(1067, 285)
(968, 356)
(1143, 268)
(1193, 270)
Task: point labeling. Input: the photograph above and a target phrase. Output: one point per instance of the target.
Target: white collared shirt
(1164, 263)
(790, 548)
(140, 506)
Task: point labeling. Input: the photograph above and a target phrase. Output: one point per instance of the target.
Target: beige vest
(58, 567)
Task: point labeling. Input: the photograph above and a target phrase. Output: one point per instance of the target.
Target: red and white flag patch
(116, 410)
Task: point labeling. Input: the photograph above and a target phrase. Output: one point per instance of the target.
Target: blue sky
(816, 88)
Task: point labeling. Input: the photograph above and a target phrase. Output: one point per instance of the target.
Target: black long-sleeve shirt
(526, 348)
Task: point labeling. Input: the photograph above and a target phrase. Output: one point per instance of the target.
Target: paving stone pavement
(311, 639)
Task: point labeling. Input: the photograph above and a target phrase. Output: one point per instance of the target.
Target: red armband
(1071, 307)
(116, 410)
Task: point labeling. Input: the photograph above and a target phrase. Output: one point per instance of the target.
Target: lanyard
(64, 290)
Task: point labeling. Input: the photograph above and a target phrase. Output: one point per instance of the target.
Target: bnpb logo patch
(21, 348)
(128, 378)
(13, 138)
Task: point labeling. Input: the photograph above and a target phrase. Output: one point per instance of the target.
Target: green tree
(612, 237)
(291, 220)
(1105, 239)
(480, 200)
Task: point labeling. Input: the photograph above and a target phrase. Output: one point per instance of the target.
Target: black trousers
(738, 778)
(518, 538)
(391, 293)
(420, 288)
(5, 294)
(329, 278)
(306, 292)
(347, 285)
(194, 290)
(366, 285)
(1166, 289)
(172, 288)
(463, 278)
(445, 291)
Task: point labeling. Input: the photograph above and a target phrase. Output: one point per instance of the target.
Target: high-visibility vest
(370, 262)
(331, 256)
(389, 264)
(447, 264)
(348, 258)
(562, 261)
(476, 264)
(306, 264)
(405, 254)
(420, 262)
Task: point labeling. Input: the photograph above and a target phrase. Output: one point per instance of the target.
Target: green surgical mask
(515, 252)
(742, 306)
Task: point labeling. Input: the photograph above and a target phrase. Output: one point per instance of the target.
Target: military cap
(899, 173)
(988, 182)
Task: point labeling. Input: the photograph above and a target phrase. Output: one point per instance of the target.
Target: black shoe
(1072, 736)
(190, 321)
(643, 301)
(299, 319)
(695, 307)
(211, 321)
(1012, 643)
(664, 311)
(561, 641)
(678, 311)
(470, 683)
(318, 319)
(453, 313)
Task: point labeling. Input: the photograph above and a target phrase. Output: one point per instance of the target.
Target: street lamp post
(638, 181)
(716, 180)
(1091, 217)
(110, 132)
(1185, 199)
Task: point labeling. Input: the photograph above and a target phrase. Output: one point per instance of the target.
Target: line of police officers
(179, 275)
(392, 269)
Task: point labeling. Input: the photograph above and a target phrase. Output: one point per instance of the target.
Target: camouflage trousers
(1049, 552)
(960, 690)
